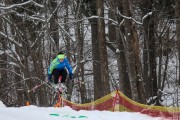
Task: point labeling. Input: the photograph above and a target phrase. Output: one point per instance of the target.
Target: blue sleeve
(68, 66)
(49, 74)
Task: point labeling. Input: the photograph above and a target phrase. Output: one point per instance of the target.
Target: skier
(58, 70)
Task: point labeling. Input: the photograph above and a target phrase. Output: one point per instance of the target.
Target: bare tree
(115, 37)
(104, 87)
(3, 64)
(89, 9)
(132, 55)
(177, 8)
(140, 34)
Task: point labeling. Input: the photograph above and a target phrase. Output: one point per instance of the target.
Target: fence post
(115, 100)
(27, 103)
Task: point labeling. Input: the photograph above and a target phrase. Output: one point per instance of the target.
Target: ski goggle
(61, 56)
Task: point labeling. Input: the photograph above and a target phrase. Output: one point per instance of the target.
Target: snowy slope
(65, 113)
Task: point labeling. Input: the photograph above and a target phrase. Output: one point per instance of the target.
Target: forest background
(131, 46)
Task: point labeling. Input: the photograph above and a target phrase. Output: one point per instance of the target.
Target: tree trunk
(129, 52)
(88, 11)
(54, 29)
(149, 53)
(177, 13)
(95, 56)
(80, 66)
(3, 66)
(104, 88)
(123, 70)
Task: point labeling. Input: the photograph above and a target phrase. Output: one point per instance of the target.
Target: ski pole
(34, 88)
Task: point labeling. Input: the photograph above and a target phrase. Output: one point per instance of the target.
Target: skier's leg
(55, 75)
(64, 75)
(63, 79)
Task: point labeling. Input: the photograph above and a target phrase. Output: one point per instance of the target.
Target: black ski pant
(56, 74)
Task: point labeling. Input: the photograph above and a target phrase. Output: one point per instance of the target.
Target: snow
(65, 113)
(2, 105)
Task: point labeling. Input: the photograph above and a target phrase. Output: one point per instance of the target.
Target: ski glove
(70, 76)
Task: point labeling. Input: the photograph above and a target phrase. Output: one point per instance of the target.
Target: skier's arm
(68, 66)
(51, 67)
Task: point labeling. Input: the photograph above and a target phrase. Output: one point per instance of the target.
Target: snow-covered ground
(66, 113)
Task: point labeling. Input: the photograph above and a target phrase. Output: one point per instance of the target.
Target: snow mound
(2, 105)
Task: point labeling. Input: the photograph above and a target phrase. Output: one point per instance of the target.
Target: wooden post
(58, 104)
(27, 103)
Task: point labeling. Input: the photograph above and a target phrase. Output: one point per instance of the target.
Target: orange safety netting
(117, 101)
